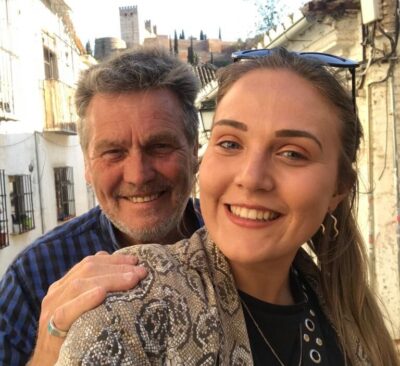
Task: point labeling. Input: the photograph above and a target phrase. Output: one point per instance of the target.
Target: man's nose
(138, 168)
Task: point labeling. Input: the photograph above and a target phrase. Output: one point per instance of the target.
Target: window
(3, 212)
(50, 64)
(64, 180)
(7, 60)
(22, 212)
(6, 89)
(91, 197)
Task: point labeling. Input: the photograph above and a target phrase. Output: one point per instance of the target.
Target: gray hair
(139, 70)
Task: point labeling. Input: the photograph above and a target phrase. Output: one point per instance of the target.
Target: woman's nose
(255, 173)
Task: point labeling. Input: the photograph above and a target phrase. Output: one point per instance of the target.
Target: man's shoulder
(62, 241)
(79, 225)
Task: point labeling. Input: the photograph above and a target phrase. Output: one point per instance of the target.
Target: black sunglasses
(324, 58)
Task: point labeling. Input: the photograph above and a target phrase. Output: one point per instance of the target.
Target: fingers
(96, 265)
(66, 314)
(113, 280)
(86, 294)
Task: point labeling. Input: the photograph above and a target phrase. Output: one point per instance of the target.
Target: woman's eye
(293, 155)
(229, 145)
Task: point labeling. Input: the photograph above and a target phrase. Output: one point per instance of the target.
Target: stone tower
(128, 17)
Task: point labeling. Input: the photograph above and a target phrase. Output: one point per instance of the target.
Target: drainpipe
(290, 33)
(371, 208)
(39, 182)
(396, 168)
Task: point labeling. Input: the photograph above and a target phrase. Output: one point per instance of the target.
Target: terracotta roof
(205, 73)
(317, 9)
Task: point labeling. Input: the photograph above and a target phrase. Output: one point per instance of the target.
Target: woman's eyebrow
(231, 123)
(298, 133)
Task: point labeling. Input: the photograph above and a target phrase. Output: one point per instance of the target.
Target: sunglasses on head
(323, 58)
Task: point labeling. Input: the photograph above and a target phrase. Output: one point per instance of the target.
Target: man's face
(139, 162)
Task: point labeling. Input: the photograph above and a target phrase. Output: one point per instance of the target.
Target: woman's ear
(335, 200)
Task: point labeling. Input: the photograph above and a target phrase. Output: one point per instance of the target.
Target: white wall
(24, 142)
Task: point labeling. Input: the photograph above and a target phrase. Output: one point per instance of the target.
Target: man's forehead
(154, 104)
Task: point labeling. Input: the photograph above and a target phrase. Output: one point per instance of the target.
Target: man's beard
(154, 234)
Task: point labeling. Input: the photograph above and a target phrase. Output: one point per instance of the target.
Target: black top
(282, 325)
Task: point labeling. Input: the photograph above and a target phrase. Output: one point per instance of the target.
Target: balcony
(59, 107)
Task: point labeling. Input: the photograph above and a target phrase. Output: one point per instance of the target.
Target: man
(138, 131)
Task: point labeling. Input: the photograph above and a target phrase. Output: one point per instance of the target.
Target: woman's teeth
(253, 214)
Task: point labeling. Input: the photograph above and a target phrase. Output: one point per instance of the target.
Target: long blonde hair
(343, 261)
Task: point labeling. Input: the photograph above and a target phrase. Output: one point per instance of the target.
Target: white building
(41, 166)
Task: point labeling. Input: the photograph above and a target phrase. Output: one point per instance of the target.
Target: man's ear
(88, 174)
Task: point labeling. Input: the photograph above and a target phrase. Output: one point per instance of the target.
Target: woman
(278, 173)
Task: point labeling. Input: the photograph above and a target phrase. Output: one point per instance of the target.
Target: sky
(236, 18)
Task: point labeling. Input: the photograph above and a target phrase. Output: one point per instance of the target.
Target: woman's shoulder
(178, 286)
(163, 258)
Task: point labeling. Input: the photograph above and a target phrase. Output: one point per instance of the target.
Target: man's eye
(229, 145)
(161, 148)
(112, 154)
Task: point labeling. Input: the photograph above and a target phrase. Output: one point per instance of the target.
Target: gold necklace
(266, 340)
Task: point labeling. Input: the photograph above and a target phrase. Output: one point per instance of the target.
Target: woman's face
(269, 175)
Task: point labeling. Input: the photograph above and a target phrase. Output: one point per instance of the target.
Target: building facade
(42, 180)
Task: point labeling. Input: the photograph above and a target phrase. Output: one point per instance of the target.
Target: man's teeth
(141, 199)
(252, 214)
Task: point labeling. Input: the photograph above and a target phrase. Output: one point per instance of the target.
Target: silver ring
(54, 331)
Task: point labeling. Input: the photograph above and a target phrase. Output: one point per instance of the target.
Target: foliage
(88, 48)
(192, 57)
(176, 48)
(271, 12)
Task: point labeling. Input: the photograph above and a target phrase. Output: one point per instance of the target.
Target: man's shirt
(45, 261)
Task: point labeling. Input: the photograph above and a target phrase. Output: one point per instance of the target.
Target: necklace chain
(266, 340)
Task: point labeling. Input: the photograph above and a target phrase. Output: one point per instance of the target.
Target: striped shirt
(45, 261)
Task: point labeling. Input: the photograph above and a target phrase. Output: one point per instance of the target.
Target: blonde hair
(343, 262)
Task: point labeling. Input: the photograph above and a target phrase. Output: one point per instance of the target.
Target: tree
(271, 13)
(182, 35)
(176, 46)
(219, 34)
(190, 56)
(201, 36)
(89, 48)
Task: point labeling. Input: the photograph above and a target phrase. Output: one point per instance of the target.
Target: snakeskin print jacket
(186, 312)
